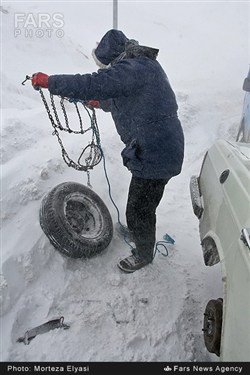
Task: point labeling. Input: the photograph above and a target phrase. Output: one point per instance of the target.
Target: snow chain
(95, 152)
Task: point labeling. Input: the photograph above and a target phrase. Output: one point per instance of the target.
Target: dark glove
(39, 80)
(91, 104)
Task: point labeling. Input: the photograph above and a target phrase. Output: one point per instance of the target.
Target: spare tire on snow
(76, 220)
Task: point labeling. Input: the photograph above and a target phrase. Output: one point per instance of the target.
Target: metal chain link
(95, 151)
(79, 116)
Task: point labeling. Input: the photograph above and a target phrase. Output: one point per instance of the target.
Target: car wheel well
(210, 251)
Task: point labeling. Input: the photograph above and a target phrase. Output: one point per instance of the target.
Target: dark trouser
(143, 198)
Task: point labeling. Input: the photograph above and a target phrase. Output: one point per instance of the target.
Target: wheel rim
(209, 325)
(83, 216)
(212, 325)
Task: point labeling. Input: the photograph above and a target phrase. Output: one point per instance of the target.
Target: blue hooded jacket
(136, 90)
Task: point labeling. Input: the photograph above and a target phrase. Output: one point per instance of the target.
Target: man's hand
(39, 80)
(91, 104)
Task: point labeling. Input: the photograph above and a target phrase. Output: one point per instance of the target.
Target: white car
(221, 201)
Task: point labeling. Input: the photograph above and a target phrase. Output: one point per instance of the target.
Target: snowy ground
(156, 313)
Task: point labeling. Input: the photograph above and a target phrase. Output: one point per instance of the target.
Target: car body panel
(224, 188)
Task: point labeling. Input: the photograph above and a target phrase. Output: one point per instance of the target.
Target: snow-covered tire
(76, 220)
(212, 325)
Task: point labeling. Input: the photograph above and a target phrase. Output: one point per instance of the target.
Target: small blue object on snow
(168, 238)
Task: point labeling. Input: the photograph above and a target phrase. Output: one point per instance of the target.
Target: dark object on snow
(212, 325)
(43, 328)
(133, 263)
(76, 220)
(246, 84)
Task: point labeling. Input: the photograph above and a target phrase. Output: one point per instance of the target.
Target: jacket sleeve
(105, 105)
(122, 79)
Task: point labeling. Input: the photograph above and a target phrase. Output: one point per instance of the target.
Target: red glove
(92, 104)
(39, 80)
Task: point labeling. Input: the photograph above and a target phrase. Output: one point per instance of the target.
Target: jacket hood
(115, 46)
(136, 50)
(110, 47)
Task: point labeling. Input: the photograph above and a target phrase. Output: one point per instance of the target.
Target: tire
(76, 220)
(212, 325)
